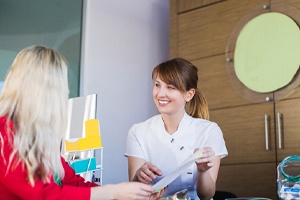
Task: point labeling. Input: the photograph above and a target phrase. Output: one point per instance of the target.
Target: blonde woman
(32, 122)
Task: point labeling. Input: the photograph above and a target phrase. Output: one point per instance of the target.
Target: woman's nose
(162, 92)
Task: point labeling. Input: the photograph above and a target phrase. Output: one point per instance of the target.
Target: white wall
(122, 42)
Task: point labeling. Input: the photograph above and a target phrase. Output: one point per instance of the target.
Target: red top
(14, 184)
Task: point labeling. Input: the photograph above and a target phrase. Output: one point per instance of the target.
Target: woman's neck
(171, 122)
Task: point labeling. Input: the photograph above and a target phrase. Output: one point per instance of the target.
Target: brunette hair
(34, 97)
(184, 76)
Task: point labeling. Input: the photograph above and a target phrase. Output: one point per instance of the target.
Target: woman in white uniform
(157, 146)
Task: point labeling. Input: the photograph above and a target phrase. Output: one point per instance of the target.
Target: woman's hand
(207, 159)
(133, 190)
(147, 172)
(157, 195)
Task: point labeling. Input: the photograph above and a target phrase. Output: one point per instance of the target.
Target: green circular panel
(267, 53)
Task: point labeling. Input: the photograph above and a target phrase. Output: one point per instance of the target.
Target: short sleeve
(216, 141)
(133, 146)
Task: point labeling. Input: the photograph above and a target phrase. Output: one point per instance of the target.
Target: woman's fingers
(148, 172)
(207, 159)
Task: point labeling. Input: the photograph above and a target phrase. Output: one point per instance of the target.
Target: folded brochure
(179, 170)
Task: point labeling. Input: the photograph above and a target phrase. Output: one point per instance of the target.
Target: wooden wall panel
(173, 29)
(205, 32)
(294, 3)
(184, 5)
(250, 180)
(214, 82)
(201, 35)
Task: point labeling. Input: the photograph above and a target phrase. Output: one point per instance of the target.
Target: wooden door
(288, 127)
(249, 170)
(244, 132)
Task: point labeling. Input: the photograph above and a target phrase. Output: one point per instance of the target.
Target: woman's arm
(126, 190)
(134, 164)
(208, 169)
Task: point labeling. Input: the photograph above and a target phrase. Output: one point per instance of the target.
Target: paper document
(179, 170)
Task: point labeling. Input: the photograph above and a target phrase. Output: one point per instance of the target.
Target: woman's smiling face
(168, 99)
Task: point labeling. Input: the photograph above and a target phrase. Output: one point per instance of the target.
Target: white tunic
(150, 141)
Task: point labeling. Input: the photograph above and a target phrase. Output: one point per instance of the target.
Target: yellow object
(92, 138)
(92, 127)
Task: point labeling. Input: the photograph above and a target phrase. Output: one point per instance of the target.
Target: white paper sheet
(179, 170)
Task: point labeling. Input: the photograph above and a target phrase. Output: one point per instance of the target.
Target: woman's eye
(171, 87)
(156, 85)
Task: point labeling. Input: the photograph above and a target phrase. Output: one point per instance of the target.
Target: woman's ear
(189, 95)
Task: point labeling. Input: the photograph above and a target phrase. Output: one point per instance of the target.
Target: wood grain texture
(184, 5)
(244, 133)
(173, 29)
(293, 3)
(220, 86)
(290, 127)
(251, 180)
(205, 32)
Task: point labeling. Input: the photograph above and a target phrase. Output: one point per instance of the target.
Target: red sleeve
(14, 184)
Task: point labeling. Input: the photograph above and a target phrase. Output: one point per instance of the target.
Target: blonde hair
(184, 76)
(34, 97)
